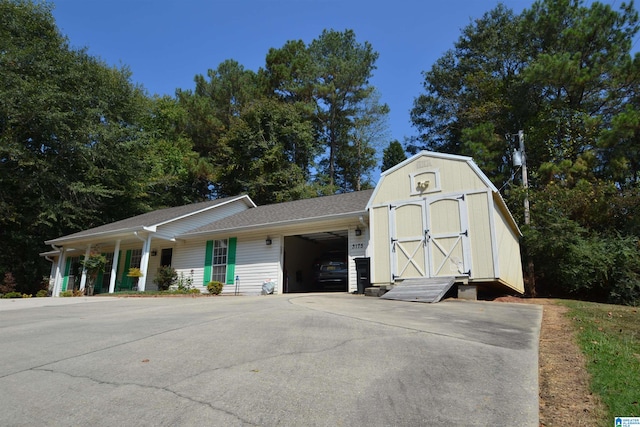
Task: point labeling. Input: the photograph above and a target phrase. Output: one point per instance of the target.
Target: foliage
(80, 144)
(8, 283)
(135, 272)
(562, 72)
(185, 283)
(166, 276)
(215, 288)
(67, 293)
(12, 294)
(609, 336)
(42, 293)
(392, 155)
(93, 265)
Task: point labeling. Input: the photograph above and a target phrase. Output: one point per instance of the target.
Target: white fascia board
(115, 233)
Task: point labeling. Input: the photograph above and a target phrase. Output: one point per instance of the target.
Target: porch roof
(318, 208)
(148, 221)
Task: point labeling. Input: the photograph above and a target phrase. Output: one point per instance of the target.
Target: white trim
(430, 188)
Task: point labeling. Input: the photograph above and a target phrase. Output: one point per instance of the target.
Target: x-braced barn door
(430, 238)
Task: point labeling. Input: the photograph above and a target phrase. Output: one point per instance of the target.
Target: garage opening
(316, 262)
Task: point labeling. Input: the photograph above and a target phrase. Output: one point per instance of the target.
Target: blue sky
(166, 43)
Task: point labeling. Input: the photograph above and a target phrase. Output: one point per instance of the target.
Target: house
(433, 215)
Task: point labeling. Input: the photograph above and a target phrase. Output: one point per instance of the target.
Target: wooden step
(421, 289)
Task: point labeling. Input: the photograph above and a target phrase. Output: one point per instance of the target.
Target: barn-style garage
(438, 215)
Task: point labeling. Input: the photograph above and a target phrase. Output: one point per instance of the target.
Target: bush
(12, 295)
(66, 294)
(165, 277)
(8, 284)
(215, 288)
(42, 293)
(194, 291)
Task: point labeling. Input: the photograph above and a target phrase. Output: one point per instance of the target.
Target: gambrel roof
(318, 208)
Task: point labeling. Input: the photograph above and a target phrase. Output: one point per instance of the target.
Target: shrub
(185, 283)
(214, 288)
(165, 277)
(42, 293)
(12, 295)
(194, 291)
(66, 294)
(8, 284)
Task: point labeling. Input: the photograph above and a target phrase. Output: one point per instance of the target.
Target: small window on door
(165, 257)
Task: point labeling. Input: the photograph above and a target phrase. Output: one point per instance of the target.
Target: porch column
(144, 263)
(114, 268)
(83, 278)
(57, 283)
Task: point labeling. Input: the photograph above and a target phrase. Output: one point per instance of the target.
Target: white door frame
(429, 239)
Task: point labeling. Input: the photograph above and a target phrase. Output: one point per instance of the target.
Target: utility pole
(525, 179)
(520, 159)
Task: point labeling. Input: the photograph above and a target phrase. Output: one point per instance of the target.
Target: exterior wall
(257, 263)
(357, 248)
(509, 260)
(480, 235)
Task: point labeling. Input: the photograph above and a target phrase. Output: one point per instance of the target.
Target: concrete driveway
(287, 360)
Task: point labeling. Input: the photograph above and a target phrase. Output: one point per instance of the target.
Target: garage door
(430, 238)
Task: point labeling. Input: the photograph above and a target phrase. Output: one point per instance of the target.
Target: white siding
(257, 263)
(358, 246)
(190, 256)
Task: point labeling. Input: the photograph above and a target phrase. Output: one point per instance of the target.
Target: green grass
(609, 336)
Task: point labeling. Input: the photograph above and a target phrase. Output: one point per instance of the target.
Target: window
(219, 262)
(165, 257)
(136, 258)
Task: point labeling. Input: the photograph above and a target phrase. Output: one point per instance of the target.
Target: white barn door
(430, 238)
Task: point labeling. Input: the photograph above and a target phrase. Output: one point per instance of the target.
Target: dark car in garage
(330, 271)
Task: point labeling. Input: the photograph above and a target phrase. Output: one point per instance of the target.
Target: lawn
(609, 336)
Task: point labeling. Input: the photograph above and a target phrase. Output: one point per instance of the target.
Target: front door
(430, 238)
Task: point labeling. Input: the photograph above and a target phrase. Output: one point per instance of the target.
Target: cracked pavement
(282, 360)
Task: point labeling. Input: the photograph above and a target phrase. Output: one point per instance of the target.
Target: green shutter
(127, 264)
(65, 280)
(231, 260)
(208, 259)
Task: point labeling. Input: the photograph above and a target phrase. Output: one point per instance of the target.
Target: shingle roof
(149, 219)
(287, 212)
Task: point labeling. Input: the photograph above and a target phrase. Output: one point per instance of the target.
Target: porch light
(358, 231)
(268, 241)
(154, 252)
